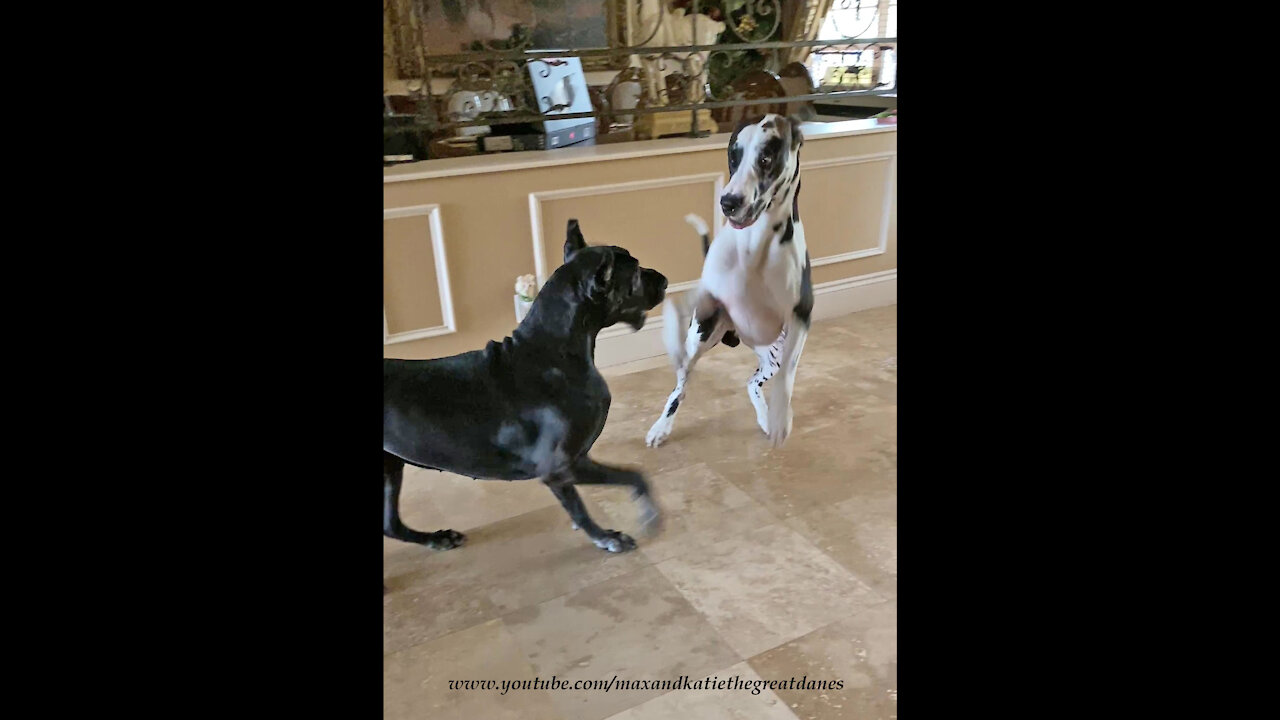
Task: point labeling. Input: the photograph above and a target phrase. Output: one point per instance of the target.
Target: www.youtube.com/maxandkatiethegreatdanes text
(682, 683)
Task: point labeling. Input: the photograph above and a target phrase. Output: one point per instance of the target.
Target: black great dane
(528, 407)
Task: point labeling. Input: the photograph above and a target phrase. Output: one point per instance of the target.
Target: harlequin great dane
(755, 285)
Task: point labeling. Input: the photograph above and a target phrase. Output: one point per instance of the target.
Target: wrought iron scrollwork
(493, 85)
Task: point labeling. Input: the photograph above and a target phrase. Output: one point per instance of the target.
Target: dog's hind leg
(392, 527)
(703, 335)
(561, 485)
(589, 472)
(768, 365)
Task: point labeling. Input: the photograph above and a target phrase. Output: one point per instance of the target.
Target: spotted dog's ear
(573, 239)
(797, 137)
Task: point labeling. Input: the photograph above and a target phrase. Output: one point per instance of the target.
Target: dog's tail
(675, 317)
(700, 225)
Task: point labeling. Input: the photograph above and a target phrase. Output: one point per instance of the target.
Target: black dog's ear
(573, 241)
(797, 137)
(601, 278)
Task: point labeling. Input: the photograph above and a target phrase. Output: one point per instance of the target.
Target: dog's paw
(650, 516)
(779, 427)
(445, 539)
(659, 433)
(614, 541)
(777, 439)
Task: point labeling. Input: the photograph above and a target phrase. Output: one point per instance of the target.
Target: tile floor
(771, 564)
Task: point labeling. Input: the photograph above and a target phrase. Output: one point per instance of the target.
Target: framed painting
(450, 27)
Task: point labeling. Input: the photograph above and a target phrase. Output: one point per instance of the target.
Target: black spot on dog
(789, 234)
(735, 152)
(804, 308)
(777, 227)
(707, 325)
(674, 404)
(730, 339)
(773, 150)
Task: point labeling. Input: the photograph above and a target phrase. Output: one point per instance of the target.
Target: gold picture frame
(462, 22)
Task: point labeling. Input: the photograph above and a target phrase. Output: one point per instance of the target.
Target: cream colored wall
(488, 236)
(406, 260)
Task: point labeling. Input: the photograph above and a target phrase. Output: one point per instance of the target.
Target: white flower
(526, 287)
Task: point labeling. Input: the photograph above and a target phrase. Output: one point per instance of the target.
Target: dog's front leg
(795, 332)
(561, 485)
(706, 327)
(767, 359)
(589, 472)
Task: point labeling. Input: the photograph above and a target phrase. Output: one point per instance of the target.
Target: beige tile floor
(771, 564)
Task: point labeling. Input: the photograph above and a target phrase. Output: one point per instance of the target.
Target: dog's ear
(600, 280)
(797, 137)
(573, 241)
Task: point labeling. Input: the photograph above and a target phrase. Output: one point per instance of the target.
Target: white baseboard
(850, 295)
(622, 351)
(635, 366)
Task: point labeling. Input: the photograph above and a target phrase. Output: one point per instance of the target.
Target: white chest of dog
(755, 285)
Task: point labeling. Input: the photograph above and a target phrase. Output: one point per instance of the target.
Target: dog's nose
(655, 286)
(730, 204)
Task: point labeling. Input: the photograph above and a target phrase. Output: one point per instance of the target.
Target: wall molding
(436, 232)
(619, 345)
(514, 162)
(542, 272)
(890, 159)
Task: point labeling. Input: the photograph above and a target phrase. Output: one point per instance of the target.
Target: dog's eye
(765, 161)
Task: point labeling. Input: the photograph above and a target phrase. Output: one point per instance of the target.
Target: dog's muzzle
(655, 287)
(739, 214)
(654, 284)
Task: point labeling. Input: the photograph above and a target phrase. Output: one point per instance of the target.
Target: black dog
(528, 407)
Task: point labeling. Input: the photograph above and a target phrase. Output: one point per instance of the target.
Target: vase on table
(526, 290)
